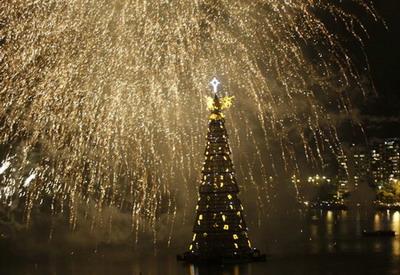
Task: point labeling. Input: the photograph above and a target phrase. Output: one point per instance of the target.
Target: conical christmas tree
(220, 232)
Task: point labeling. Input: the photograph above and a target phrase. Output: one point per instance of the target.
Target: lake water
(314, 242)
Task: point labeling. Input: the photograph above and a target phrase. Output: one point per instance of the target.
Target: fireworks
(103, 102)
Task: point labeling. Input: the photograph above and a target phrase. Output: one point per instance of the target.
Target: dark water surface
(316, 242)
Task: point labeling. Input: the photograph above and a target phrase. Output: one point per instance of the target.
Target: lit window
(235, 237)
(200, 217)
(229, 196)
(226, 227)
(194, 237)
(190, 247)
(223, 217)
(236, 245)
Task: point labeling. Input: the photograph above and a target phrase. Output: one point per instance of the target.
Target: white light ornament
(215, 83)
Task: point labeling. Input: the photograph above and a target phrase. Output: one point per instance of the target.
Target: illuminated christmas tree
(220, 232)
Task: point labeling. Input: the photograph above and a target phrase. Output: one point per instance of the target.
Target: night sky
(380, 115)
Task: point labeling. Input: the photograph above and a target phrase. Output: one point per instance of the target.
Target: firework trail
(103, 102)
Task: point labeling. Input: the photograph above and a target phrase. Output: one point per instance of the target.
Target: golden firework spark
(102, 102)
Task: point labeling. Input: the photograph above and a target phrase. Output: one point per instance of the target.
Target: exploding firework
(103, 103)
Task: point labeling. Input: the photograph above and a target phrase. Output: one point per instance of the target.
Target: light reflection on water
(243, 269)
(312, 242)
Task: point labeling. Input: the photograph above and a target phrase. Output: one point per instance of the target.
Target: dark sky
(381, 115)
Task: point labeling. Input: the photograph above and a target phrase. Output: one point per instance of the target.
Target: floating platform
(192, 258)
(379, 233)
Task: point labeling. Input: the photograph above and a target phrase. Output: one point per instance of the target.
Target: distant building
(361, 164)
(377, 166)
(391, 155)
(385, 162)
(342, 176)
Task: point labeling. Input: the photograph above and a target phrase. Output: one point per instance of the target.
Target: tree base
(254, 256)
